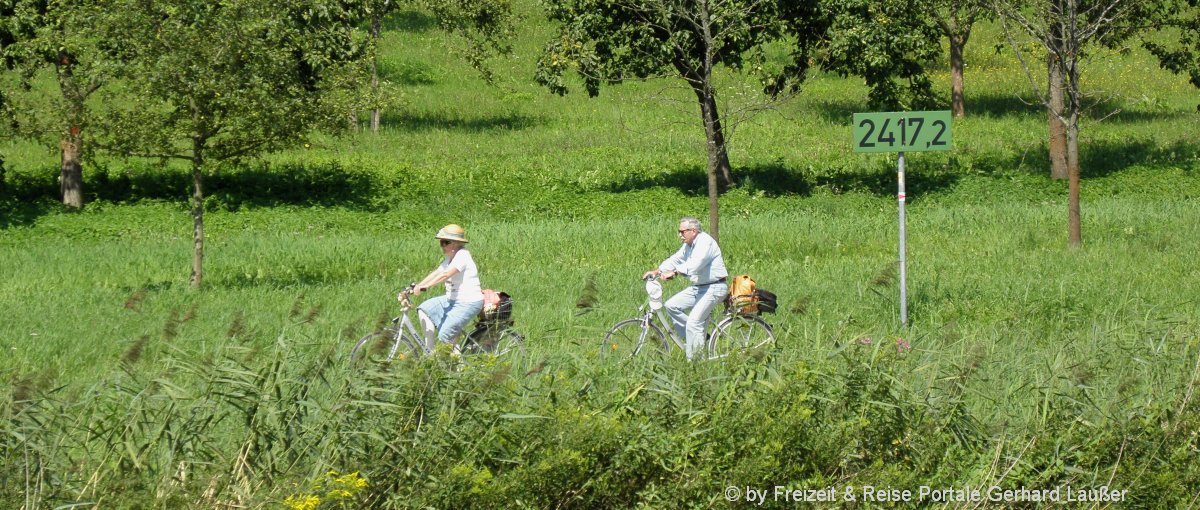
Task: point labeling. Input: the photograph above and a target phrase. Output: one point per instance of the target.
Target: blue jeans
(690, 325)
(450, 317)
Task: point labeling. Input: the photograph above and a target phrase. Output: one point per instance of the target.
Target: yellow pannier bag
(741, 295)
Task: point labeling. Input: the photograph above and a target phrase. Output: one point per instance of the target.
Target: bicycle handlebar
(653, 276)
(405, 293)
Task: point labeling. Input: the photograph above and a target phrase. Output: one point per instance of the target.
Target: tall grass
(253, 426)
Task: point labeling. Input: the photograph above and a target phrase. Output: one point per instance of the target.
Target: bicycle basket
(498, 312)
(767, 301)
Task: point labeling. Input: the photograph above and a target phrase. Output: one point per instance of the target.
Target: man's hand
(417, 291)
(650, 274)
(667, 275)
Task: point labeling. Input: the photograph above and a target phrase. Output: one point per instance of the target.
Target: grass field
(1031, 364)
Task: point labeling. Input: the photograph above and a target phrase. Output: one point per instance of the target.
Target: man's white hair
(690, 222)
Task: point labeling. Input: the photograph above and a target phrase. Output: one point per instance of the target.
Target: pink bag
(491, 300)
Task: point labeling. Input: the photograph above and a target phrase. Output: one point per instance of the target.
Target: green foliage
(201, 70)
(889, 44)
(1180, 56)
(609, 41)
(488, 27)
(67, 45)
(64, 49)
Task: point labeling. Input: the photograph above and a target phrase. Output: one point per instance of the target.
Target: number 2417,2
(904, 124)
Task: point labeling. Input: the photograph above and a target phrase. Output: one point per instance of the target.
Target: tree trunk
(376, 115)
(718, 143)
(1054, 116)
(1071, 77)
(719, 176)
(71, 170)
(376, 27)
(957, 101)
(197, 212)
(1074, 236)
(714, 216)
(714, 135)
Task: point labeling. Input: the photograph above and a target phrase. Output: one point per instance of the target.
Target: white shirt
(701, 261)
(464, 285)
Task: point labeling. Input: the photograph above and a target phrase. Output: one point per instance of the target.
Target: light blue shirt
(701, 261)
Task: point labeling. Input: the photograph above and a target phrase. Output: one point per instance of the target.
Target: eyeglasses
(445, 241)
(684, 230)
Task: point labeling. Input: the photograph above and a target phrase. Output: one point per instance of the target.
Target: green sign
(902, 131)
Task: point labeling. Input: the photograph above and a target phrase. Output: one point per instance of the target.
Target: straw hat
(452, 232)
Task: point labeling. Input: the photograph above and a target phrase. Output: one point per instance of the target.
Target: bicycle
(736, 331)
(492, 334)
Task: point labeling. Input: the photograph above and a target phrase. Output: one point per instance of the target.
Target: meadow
(1031, 364)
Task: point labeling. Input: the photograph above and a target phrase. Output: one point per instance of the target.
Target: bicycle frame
(405, 323)
(402, 334)
(665, 324)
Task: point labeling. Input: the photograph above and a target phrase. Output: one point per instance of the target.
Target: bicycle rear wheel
(386, 345)
(628, 338)
(499, 341)
(740, 333)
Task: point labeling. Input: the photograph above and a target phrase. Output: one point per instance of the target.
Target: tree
(1142, 16)
(68, 39)
(956, 18)
(377, 11)
(486, 25)
(1145, 16)
(610, 41)
(219, 81)
(1064, 28)
(889, 43)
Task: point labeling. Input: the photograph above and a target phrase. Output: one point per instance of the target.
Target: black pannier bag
(767, 302)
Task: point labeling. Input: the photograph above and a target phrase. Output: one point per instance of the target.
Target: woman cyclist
(447, 315)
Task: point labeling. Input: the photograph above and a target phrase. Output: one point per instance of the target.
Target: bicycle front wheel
(740, 333)
(629, 338)
(386, 345)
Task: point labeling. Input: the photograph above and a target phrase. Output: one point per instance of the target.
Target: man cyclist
(700, 260)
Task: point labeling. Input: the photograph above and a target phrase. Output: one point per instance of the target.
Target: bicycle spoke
(740, 333)
(386, 345)
(496, 340)
(631, 337)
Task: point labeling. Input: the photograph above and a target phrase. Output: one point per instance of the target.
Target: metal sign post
(903, 236)
(902, 132)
